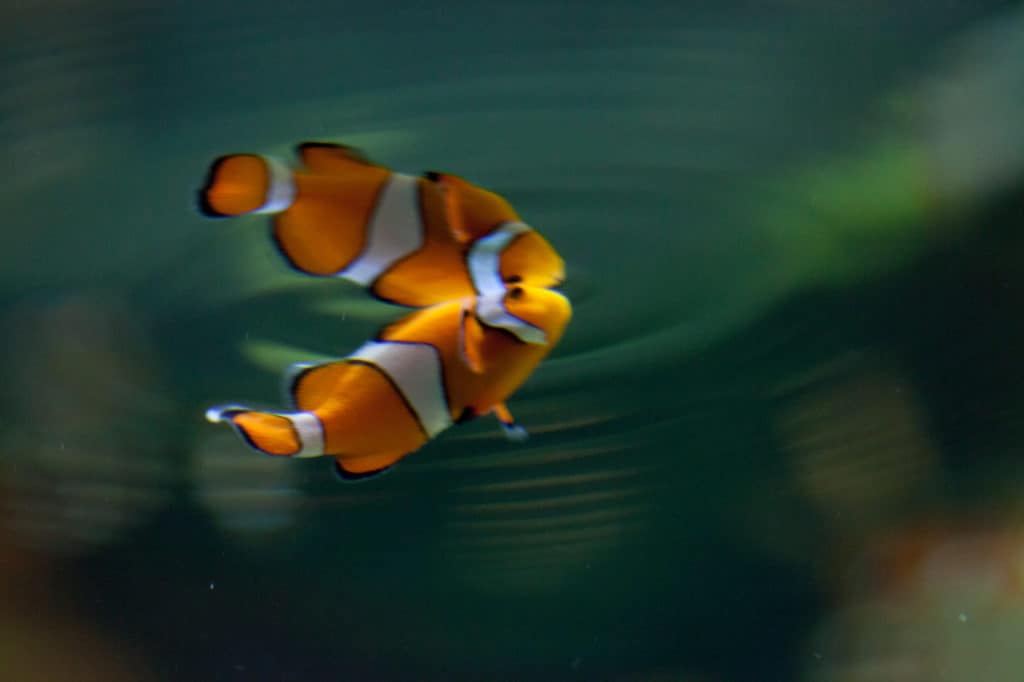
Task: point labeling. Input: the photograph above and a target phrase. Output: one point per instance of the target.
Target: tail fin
(282, 434)
(246, 183)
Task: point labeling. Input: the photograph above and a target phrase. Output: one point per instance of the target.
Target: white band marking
(490, 308)
(280, 187)
(415, 368)
(307, 426)
(394, 231)
(484, 257)
(310, 431)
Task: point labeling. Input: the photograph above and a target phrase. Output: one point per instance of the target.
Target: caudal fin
(281, 434)
(245, 183)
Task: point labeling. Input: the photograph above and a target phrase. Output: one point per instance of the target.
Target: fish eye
(515, 293)
(514, 279)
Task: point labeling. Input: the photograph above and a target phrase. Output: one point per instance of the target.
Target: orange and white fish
(433, 368)
(414, 241)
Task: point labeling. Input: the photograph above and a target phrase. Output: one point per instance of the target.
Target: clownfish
(413, 241)
(438, 366)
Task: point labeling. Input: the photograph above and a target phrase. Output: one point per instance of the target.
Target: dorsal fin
(330, 157)
(310, 386)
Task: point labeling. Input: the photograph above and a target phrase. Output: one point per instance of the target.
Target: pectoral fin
(446, 185)
(471, 336)
(513, 431)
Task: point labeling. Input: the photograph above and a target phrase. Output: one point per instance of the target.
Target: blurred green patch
(851, 216)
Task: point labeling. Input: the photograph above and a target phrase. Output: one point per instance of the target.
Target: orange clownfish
(432, 368)
(414, 241)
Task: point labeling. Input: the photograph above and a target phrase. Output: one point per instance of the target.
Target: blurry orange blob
(934, 600)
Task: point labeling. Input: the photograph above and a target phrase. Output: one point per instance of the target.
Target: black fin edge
(354, 152)
(227, 416)
(350, 477)
(291, 378)
(279, 247)
(202, 202)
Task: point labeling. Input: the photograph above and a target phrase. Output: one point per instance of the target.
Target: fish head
(545, 309)
(532, 261)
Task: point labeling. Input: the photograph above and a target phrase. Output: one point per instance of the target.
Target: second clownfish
(414, 241)
(433, 368)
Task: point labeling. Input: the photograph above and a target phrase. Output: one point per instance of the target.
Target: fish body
(434, 367)
(411, 240)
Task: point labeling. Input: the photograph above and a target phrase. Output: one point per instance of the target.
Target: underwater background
(781, 440)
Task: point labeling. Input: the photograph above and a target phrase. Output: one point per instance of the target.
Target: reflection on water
(779, 440)
(248, 497)
(860, 450)
(86, 453)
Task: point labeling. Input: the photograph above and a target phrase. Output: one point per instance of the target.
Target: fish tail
(239, 184)
(281, 434)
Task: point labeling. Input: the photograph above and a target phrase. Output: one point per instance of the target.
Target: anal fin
(361, 468)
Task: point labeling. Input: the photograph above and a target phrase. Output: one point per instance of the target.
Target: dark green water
(781, 439)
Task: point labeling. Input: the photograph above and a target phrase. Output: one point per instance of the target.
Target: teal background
(780, 440)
